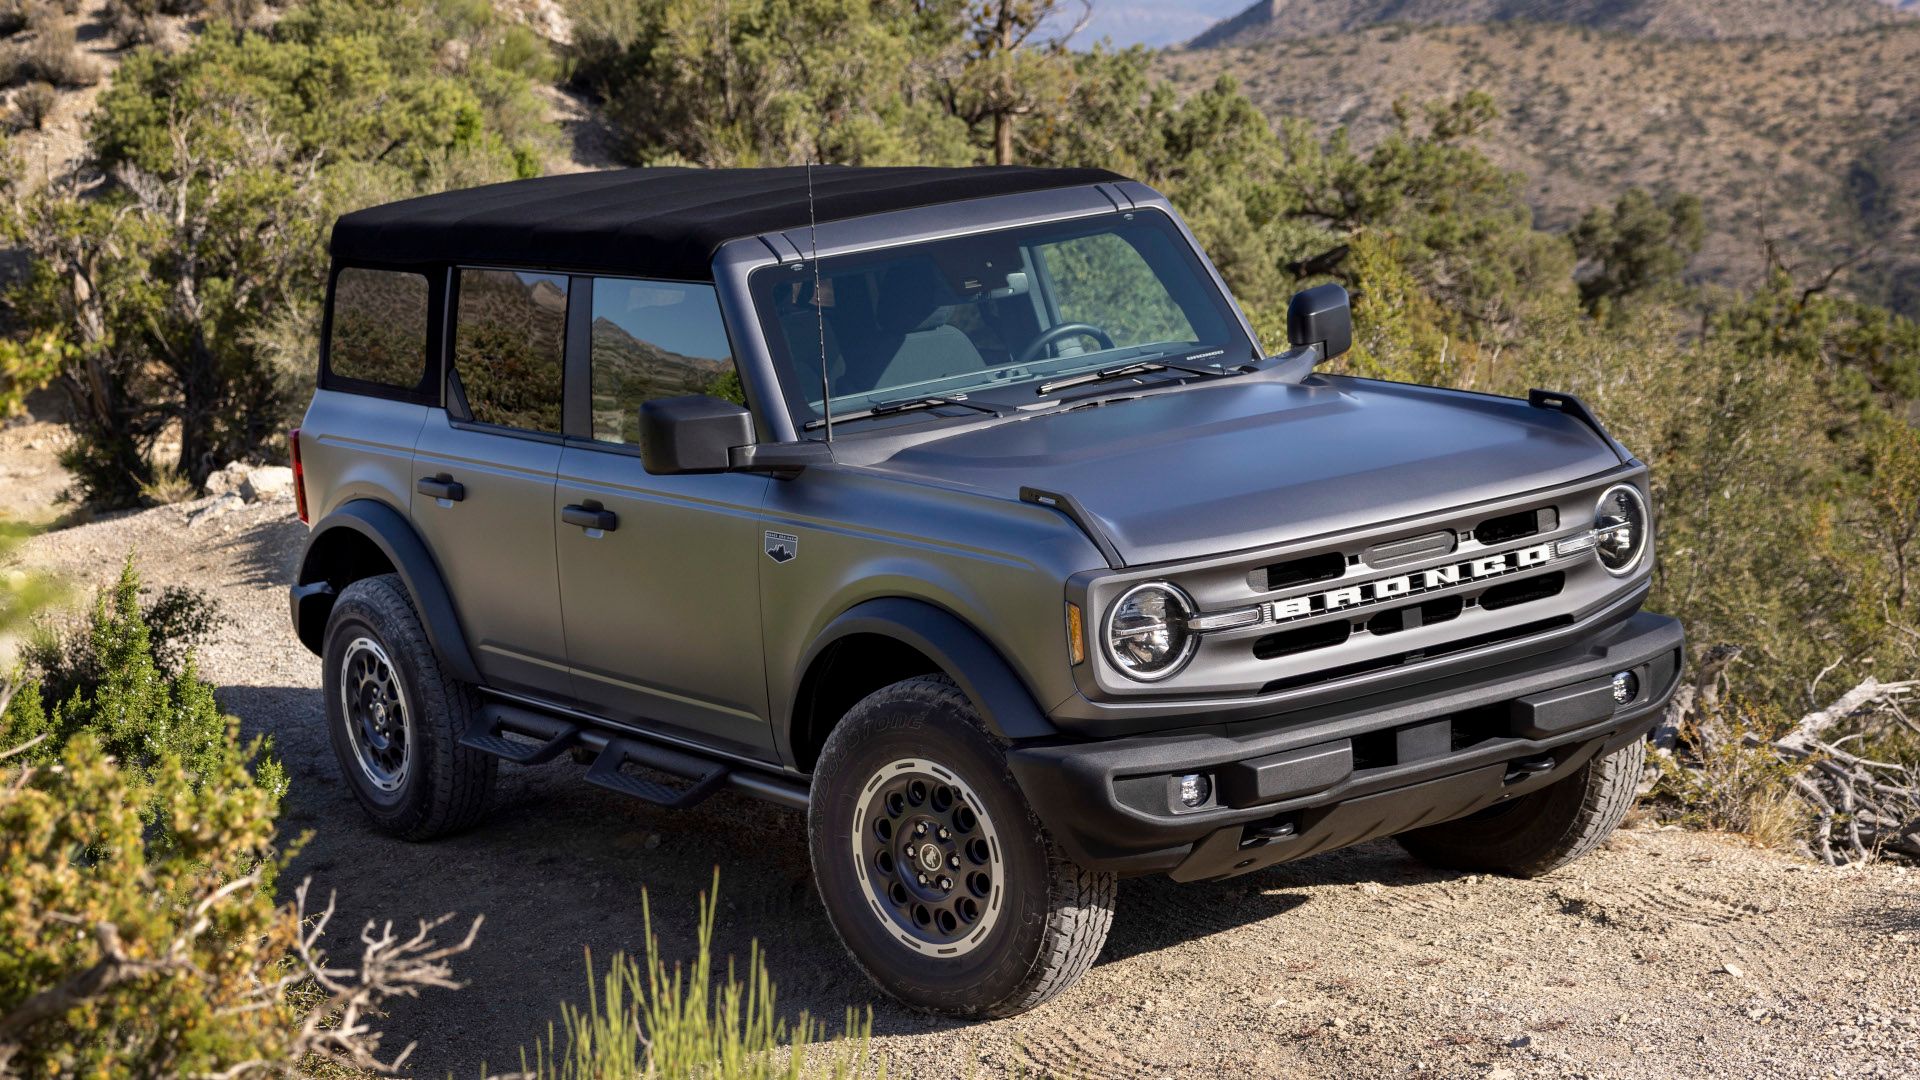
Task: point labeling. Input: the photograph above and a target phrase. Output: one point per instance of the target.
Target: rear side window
(509, 343)
(379, 333)
(655, 339)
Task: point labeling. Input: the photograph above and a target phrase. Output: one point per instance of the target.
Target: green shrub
(128, 679)
(659, 1022)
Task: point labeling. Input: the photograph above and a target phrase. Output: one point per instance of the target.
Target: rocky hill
(1808, 144)
(1288, 20)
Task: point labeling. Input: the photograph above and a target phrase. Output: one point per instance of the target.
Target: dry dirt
(1667, 953)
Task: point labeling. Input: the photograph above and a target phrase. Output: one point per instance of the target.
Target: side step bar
(526, 735)
(707, 775)
(489, 735)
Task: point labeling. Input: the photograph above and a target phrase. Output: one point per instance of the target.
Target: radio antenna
(819, 312)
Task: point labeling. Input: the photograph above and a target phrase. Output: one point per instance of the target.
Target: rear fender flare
(388, 530)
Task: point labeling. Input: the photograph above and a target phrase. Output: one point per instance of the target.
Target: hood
(1249, 462)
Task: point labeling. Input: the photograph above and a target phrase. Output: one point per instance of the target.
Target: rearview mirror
(1320, 316)
(693, 434)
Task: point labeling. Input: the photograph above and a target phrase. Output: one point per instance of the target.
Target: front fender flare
(995, 689)
(389, 531)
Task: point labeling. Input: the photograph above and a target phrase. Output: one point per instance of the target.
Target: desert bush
(33, 103)
(648, 1019)
(54, 56)
(133, 22)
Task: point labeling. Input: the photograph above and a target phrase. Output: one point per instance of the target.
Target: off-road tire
(1055, 915)
(446, 785)
(1541, 832)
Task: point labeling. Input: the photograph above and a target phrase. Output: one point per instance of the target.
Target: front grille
(1297, 572)
(1525, 591)
(1326, 609)
(1345, 671)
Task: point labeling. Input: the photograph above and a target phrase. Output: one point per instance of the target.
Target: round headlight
(1146, 632)
(1620, 528)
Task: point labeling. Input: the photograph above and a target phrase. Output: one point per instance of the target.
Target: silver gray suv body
(963, 509)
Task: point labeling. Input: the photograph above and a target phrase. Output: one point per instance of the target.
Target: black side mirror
(1320, 316)
(694, 434)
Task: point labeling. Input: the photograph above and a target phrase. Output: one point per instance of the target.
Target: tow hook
(1526, 767)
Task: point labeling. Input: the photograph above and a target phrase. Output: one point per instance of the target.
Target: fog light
(1626, 687)
(1195, 789)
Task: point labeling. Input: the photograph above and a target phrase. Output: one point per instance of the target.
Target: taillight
(299, 475)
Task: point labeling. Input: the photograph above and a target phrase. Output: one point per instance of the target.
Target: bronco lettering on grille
(1420, 581)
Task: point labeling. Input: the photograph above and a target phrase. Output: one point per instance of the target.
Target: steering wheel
(1060, 333)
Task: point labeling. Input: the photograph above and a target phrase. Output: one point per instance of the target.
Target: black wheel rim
(374, 709)
(926, 850)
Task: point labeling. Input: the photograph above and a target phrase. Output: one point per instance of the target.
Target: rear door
(484, 473)
(658, 574)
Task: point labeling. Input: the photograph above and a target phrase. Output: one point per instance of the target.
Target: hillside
(1286, 20)
(1813, 146)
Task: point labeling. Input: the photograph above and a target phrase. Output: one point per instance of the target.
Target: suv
(963, 510)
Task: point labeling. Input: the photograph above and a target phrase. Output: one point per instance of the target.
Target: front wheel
(1541, 832)
(945, 887)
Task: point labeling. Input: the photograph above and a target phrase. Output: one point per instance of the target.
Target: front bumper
(1297, 785)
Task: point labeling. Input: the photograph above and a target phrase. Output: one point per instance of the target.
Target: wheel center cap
(929, 856)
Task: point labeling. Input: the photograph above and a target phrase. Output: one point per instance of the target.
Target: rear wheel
(936, 874)
(395, 718)
(1538, 833)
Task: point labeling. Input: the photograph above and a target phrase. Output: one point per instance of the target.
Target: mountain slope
(1812, 146)
(1287, 20)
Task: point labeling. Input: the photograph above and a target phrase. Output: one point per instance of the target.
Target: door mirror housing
(693, 434)
(1321, 316)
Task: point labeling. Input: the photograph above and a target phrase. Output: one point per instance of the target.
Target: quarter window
(379, 328)
(508, 347)
(655, 339)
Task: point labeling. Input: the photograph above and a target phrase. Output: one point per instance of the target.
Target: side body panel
(995, 565)
(662, 612)
(495, 547)
(354, 447)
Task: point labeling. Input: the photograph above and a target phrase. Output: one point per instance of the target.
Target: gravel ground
(1667, 953)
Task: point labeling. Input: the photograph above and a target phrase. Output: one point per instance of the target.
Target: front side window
(379, 328)
(655, 339)
(509, 344)
(993, 312)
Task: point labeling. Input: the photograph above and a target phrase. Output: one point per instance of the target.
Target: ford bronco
(963, 510)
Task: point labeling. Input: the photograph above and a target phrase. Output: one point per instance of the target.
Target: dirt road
(1666, 954)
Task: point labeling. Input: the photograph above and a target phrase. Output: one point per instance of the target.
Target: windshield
(992, 311)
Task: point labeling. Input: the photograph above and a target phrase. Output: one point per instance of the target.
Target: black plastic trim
(1071, 509)
(390, 531)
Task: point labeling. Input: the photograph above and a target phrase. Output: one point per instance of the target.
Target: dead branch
(1874, 805)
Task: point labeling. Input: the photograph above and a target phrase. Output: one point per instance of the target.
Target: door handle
(441, 487)
(590, 516)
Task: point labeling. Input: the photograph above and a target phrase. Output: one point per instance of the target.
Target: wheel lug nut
(920, 829)
(953, 861)
(944, 834)
(923, 879)
(946, 883)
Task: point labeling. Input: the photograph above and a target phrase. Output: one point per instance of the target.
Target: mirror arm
(784, 460)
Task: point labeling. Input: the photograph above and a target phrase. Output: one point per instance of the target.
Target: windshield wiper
(1138, 367)
(888, 408)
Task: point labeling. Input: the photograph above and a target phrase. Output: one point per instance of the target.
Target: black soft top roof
(663, 222)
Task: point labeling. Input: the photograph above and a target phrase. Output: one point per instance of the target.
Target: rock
(1521, 1042)
(223, 480)
(266, 483)
(1732, 970)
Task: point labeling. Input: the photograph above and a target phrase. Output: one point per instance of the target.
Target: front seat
(915, 343)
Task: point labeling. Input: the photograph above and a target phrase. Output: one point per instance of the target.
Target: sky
(1152, 22)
